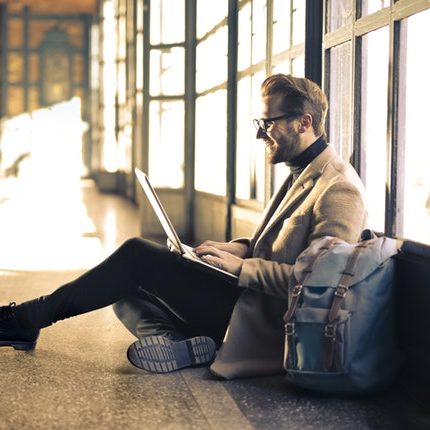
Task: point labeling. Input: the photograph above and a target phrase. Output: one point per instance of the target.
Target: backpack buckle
(341, 291)
(330, 330)
(289, 328)
(297, 290)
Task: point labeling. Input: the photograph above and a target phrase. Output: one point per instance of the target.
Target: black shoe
(159, 354)
(12, 334)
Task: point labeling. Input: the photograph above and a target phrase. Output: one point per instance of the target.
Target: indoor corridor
(79, 377)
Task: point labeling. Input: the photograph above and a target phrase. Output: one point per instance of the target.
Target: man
(179, 314)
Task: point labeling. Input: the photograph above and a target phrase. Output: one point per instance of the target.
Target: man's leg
(145, 315)
(203, 302)
(137, 263)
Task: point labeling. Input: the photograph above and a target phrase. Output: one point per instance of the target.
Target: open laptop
(173, 240)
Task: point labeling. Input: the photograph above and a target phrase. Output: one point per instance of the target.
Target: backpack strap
(339, 294)
(295, 297)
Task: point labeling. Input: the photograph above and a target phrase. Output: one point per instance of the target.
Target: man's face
(281, 137)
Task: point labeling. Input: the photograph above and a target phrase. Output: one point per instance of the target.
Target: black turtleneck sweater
(298, 164)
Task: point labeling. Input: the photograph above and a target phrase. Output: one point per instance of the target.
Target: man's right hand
(239, 249)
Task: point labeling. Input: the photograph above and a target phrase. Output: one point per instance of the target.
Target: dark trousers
(145, 281)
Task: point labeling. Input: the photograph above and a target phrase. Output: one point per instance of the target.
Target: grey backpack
(340, 325)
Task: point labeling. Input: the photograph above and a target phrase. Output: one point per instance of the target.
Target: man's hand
(222, 259)
(239, 249)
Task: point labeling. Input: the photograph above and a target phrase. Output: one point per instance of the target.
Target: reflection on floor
(79, 376)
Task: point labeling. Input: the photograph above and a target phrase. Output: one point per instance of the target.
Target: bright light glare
(45, 224)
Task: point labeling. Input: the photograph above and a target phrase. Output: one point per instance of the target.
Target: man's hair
(301, 95)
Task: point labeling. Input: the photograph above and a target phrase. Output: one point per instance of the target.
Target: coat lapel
(279, 207)
(299, 189)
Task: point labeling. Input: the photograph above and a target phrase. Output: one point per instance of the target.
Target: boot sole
(20, 346)
(159, 354)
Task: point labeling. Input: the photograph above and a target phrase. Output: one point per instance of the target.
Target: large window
(413, 118)
(288, 37)
(263, 49)
(374, 65)
(250, 153)
(109, 75)
(166, 102)
(211, 103)
(374, 150)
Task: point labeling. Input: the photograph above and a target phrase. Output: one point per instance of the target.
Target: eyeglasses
(266, 123)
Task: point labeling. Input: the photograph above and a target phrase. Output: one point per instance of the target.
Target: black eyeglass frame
(263, 123)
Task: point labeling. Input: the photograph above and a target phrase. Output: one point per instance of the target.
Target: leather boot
(12, 333)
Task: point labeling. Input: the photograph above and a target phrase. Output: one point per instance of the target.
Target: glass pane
(167, 71)
(298, 66)
(340, 111)
(78, 68)
(258, 148)
(15, 101)
(416, 193)
(299, 18)
(374, 87)
(208, 16)
(213, 72)
(109, 161)
(250, 152)
(121, 37)
(167, 21)
(33, 98)
(139, 15)
(15, 67)
(282, 67)
(280, 173)
(370, 6)
(15, 33)
(245, 37)
(166, 143)
(34, 67)
(259, 25)
(211, 143)
(121, 83)
(281, 25)
(130, 21)
(339, 13)
(245, 135)
(139, 61)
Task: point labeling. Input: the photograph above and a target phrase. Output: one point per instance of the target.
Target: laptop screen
(159, 210)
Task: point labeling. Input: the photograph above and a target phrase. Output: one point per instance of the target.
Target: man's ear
(305, 122)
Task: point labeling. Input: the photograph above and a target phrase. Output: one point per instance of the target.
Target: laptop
(174, 243)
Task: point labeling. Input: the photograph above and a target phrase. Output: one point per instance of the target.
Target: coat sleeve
(339, 212)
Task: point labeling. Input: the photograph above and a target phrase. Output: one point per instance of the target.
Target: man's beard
(280, 152)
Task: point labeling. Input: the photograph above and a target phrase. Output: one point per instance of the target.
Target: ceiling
(53, 6)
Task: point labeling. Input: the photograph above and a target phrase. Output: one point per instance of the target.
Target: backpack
(340, 325)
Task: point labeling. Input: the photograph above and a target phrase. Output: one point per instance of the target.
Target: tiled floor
(79, 376)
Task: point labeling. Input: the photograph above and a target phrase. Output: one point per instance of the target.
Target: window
(109, 156)
(250, 153)
(374, 69)
(340, 98)
(211, 103)
(414, 164)
(167, 87)
(374, 92)
(287, 54)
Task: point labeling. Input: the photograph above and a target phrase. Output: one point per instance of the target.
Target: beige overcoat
(327, 199)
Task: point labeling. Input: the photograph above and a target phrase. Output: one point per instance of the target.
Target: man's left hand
(218, 258)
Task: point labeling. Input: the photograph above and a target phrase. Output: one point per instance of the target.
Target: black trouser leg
(143, 314)
(203, 301)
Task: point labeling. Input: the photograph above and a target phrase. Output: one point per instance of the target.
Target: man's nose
(261, 134)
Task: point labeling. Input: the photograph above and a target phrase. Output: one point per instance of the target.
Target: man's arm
(339, 212)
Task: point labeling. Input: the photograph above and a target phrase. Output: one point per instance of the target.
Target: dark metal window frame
(390, 16)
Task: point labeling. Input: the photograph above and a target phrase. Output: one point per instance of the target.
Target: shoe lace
(7, 312)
